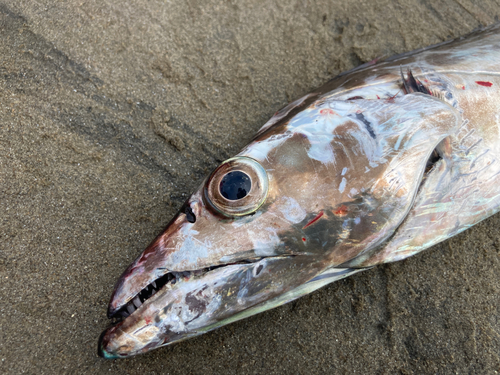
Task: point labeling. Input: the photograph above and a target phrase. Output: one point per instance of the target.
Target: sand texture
(112, 112)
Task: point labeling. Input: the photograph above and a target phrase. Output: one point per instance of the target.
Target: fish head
(314, 191)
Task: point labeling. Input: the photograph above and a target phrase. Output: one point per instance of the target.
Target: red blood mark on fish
(463, 87)
(341, 211)
(147, 320)
(327, 111)
(304, 239)
(484, 83)
(318, 216)
(390, 99)
(378, 97)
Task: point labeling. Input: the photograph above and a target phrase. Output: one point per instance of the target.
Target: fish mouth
(165, 282)
(179, 305)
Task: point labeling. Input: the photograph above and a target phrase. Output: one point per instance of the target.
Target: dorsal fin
(411, 84)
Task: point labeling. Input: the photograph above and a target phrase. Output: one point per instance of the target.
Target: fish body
(379, 164)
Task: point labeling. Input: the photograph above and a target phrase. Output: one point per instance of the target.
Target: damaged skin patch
(196, 302)
(484, 83)
(316, 218)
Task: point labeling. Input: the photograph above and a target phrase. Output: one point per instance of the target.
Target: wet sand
(112, 112)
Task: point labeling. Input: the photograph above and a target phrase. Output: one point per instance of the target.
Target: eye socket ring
(243, 172)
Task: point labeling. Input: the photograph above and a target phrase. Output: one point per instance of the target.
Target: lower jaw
(165, 318)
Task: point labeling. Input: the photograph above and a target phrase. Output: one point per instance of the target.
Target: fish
(378, 164)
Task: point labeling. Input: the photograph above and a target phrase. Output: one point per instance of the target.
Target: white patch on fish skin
(315, 126)
(398, 142)
(283, 112)
(174, 322)
(291, 210)
(344, 171)
(214, 303)
(322, 152)
(260, 150)
(179, 317)
(264, 243)
(243, 289)
(353, 191)
(190, 252)
(187, 230)
(320, 131)
(342, 185)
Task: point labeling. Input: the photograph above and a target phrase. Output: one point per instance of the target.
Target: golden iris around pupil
(237, 187)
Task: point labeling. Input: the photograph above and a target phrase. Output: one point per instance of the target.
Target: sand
(112, 112)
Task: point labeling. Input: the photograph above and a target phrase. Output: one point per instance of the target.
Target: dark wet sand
(111, 113)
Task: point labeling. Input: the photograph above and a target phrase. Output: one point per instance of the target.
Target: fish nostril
(259, 269)
(190, 216)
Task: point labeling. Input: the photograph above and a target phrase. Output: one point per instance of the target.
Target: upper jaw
(156, 260)
(148, 267)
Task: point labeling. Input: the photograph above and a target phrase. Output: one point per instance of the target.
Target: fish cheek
(340, 233)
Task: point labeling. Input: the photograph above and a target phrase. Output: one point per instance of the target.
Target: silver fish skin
(379, 164)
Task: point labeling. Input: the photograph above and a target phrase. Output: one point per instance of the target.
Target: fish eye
(237, 187)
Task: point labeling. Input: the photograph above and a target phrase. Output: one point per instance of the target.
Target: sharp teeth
(130, 308)
(136, 301)
(165, 282)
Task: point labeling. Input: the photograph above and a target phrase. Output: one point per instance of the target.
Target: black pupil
(235, 185)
